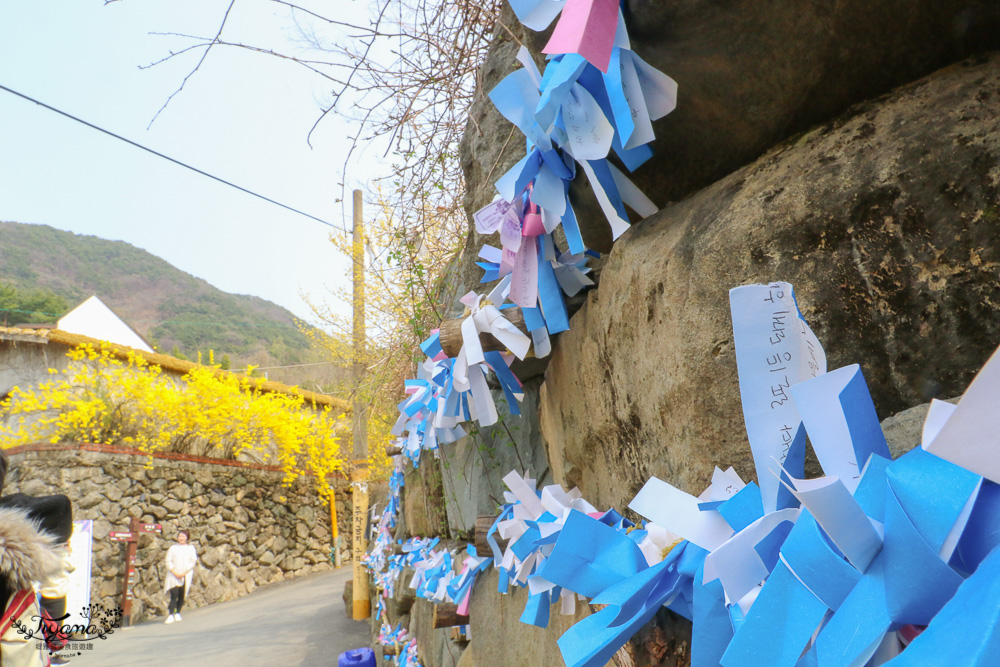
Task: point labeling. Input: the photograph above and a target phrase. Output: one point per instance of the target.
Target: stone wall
(249, 529)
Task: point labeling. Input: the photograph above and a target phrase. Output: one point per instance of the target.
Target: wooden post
(362, 604)
(348, 598)
(131, 537)
(393, 450)
(446, 616)
(483, 525)
(451, 330)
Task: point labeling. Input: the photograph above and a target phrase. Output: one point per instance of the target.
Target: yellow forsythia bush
(100, 398)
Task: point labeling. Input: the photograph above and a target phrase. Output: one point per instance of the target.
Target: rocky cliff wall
(248, 528)
(750, 75)
(886, 221)
(884, 215)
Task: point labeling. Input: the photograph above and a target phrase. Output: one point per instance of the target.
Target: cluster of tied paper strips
(594, 96)
(852, 568)
(385, 571)
(434, 576)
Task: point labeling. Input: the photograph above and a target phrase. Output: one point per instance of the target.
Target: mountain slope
(166, 305)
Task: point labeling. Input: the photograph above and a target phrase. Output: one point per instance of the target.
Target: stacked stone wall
(248, 527)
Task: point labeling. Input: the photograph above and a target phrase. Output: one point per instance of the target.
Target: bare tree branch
(408, 77)
(196, 67)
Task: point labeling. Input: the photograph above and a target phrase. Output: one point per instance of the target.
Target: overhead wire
(168, 158)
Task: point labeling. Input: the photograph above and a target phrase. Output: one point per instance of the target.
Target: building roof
(164, 361)
(96, 319)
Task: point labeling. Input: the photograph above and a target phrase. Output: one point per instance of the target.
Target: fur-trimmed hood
(27, 553)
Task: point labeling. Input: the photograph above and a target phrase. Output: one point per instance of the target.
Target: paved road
(300, 622)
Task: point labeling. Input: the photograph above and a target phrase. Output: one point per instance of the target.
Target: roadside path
(300, 622)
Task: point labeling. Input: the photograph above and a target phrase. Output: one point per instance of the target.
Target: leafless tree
(408, 73)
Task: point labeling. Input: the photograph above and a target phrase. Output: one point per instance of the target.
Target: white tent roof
(94, 319)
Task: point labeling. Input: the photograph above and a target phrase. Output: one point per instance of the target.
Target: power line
(167, 157)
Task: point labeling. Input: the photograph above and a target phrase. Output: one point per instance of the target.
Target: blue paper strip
(931, 491)
(536, 611)
(964, 632)
(743, 508)
(571, 227)
(630, 603)
(982, 533)
(860, 622)
(713, 628)
(550, 297)
(779, 625)
(813, 559)
(588, 557)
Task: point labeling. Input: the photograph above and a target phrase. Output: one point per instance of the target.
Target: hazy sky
(243, 117)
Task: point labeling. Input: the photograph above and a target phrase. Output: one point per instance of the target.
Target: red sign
(121, 536)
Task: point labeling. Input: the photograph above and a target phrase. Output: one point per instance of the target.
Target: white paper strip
(678, 512)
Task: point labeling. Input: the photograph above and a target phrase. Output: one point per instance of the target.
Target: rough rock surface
(750, 74)
(248, 528)
(473, 468)
(903, 430)
(499, 639)
(886, 221)
(423, 501)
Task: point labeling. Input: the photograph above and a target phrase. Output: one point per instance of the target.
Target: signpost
(131, 537)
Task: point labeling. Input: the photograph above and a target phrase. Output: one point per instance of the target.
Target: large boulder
(472, 469)
(499, 639)
(750, 74)
(424, 501)
(888, 224)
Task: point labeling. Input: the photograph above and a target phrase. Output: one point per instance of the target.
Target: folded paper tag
(489, 218)
(775, 349)
(840, 419)
(586, 27)
(968, 437)
(678, 512)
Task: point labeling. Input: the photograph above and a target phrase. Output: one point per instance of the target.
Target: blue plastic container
(357, 657)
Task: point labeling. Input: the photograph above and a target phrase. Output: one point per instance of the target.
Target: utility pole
(362, 605)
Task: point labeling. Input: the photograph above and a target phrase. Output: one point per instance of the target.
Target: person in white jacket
(181, 559)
